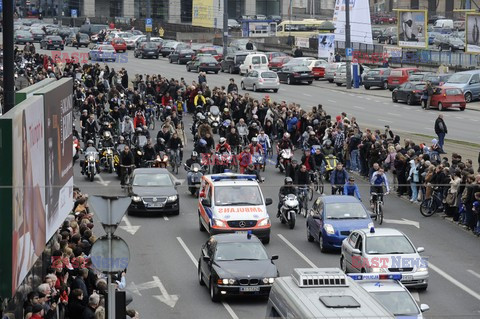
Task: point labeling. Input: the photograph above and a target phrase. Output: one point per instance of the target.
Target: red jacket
(245, 158)
(256, 148)
(166, 100)
(139, 121)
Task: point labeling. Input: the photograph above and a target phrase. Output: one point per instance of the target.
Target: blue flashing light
(230, 176)
(372, 230)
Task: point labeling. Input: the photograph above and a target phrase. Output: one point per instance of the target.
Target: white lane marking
(386, 103)
(418, 110)
(473, 273)
(474, 120)
(189, 253)
(165, 217)
(377, 101)
(332, 101)
(382, 120)
(459, 117)
(307, 94)
(367, 98)
(415, 296)
(407, 108)
(394, 114)
(297, 251)
(359, 107)
(454, 281)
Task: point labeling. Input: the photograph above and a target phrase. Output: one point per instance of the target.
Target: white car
(316, 63)
(384, 250)
(259, 80)
(131, 41)
(103, 52)
(303, 61)
(392, 294)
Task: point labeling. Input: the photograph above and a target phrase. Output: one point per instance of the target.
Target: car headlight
(219, 223)
(377, 270)
(172, 198)
(268, 280)
(264, 222)
(226, 281)
(421, 269)
(371, 225)
(329, 229)
(136, 198)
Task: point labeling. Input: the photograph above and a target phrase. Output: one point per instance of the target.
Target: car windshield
(106, 48)
(373, 72)
(208, 59)
(459, 78)
(345, 211)
(396, 73)
(416, 77)
(420, 86)
(453, 92)
(398, 302)
(240, 251)
(209, 51)
(152, 180)
(269, 75)
(84, 36)
(241, 58)
(300, 69)
(55, 38)
(384, 245)
(150, 45)
(240, 195)
(186, 52)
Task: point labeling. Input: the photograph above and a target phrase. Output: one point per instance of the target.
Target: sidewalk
(474, 106)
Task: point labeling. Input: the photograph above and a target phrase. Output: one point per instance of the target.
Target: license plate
(407, 277)
(212, 64)
(461, 48)
(395, 81)
(370, 78)
(151, 52)
(455, 104)
(249, 289)
(156, 205)
(241, 232)
(188, 56)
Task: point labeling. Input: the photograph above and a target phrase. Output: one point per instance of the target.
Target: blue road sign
(348, 52)
(74, 13)
(148, 21)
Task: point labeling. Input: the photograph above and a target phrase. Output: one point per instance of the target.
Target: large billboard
(58, 99)
(360, 23)
(203, 13)
(326, 46)
(412, 29)
(473, 33)
(22, 150)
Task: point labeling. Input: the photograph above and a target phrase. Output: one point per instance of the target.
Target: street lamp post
(348, 44)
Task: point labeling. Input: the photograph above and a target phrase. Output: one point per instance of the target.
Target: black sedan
(295, 74)
(376, 77)
(52, 42)
(37, 34)
(153, 191)
(236, 264)
(147, 50)
(205, 63)
(181, 56)
(410, 92)
(72, 40)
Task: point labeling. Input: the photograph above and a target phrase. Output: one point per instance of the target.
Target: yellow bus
(304, 28)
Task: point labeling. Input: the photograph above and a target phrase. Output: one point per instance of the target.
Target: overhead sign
(204, 13)
(412, 29)
(360, 23)
(74, 13)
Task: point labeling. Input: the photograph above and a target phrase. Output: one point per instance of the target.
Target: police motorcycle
(194, 177)
(289, 209)
(214, 118)
(286, 157)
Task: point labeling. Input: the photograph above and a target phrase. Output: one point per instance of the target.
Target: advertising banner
(360, 23)
(412, 29)
(203, 13)
(326, 46)
(302, 42)
(26, 201)
(58, 100)
(472, 35)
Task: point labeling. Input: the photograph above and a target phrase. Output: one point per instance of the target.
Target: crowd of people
(416, 170)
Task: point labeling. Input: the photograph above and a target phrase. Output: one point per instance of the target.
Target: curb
(365, 92)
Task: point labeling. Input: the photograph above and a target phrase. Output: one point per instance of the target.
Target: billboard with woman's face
(472, 35)
(412, 29)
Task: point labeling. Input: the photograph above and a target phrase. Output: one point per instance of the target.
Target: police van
(322, 293)
(229, 203)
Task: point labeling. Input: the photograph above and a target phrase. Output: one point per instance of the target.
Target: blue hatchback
(332, 218)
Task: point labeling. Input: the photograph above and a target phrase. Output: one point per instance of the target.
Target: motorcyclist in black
(201, 147)
(312, 140)
(107, 140)
(287, 189)
(89, 147)
(233, 139)
(250, 170)
(160, 146)
(192, 160)
(149, 153)
(291, 170)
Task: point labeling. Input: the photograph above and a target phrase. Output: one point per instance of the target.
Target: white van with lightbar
(322, 293)
(232, 203)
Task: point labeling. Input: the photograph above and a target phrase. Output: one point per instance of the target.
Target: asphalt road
(162, 273)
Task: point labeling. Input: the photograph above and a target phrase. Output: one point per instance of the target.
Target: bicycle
(434, 204)
(317, 183)
(127, 172)
(378, 206)
(175, 160)
(303, 195)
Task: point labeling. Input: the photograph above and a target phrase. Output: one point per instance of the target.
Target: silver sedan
(259, 80)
